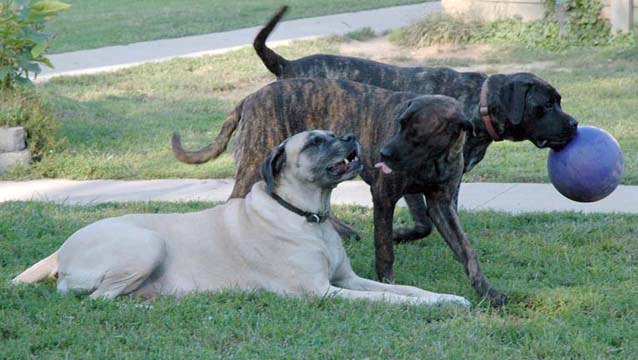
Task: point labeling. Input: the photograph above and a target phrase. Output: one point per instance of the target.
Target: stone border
(13, 148)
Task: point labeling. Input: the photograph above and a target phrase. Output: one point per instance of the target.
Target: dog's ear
(466, 124)
(514, 98)
(408, 110)
(272, 166)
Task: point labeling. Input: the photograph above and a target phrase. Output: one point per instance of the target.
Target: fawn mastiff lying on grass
(274, 239)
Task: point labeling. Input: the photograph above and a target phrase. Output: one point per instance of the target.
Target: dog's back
(420, 80)
(287, 107)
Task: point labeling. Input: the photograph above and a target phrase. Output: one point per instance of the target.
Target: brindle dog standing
(436, 125)
(519, 106)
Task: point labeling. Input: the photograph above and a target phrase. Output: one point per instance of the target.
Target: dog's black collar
(314, 218)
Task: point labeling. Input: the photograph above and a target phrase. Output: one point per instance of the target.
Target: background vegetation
(118, 125)
(582, 27)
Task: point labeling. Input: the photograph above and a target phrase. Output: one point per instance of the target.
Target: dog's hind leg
(108, 259)
(422, 224)
(120, 282)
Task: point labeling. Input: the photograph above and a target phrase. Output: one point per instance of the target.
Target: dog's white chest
(329, 244)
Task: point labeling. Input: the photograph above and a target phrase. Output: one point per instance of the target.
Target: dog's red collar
(485, 113)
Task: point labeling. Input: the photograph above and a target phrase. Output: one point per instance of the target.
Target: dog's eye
(549, 105)
(317, 141)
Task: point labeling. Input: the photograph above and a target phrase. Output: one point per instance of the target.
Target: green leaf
(49, 6)
(39, 48)
(36, 36)
(5, 71)
(46, 62)
(23, 81)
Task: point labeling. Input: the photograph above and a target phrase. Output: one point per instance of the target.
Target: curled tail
(46, 268)
(214, 149)
(274, 62)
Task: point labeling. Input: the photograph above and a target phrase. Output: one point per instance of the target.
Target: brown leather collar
(315, 218)
(485, 113)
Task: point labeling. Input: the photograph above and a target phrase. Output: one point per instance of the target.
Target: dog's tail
(273, 61)
(214, 149)
(46, 268)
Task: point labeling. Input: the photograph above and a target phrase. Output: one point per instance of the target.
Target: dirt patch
(474, 52)
(380, 49)
(507, 68)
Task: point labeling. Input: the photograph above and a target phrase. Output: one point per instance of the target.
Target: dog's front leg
(442, 211)
(384, 203)
(382, 296)
(355, 282)
(422, 224)
(345, 231)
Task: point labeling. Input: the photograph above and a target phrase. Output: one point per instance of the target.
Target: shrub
(22, 40)
(437, 29)
(583, 27)
(362, 34)
(21, 106)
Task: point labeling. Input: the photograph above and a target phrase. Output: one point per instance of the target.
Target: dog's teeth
(346, 161)
(356, 158)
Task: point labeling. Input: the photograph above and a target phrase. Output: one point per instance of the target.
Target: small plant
(439, 29)
(584, 21)
(362, 34)
(21, 106)
(22, 39)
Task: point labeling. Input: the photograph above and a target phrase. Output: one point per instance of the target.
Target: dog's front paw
(408, 234)
(496, 297)
(457, 300)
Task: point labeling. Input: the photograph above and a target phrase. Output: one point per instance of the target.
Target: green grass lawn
(118, 125)
(571, 279)
(96, 23)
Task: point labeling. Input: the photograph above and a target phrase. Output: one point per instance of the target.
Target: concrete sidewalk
(508, 197)
(116, 57)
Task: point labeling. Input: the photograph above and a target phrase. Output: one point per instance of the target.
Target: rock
(11, 159)
(12, 139)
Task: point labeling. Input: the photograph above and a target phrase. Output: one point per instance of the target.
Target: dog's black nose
(348, 138)
(385, 153)
(573, 122)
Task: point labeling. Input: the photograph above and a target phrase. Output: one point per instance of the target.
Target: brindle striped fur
(435, 127)
(283, 108)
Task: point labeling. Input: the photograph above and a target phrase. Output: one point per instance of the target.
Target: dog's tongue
(383, 167)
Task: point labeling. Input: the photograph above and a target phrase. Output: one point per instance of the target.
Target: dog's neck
(477, 143)
(304, 196)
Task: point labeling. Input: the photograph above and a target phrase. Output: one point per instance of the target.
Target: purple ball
(589, 167)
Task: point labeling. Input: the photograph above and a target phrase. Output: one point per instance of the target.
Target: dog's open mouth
(556, 145)
(351, 162)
